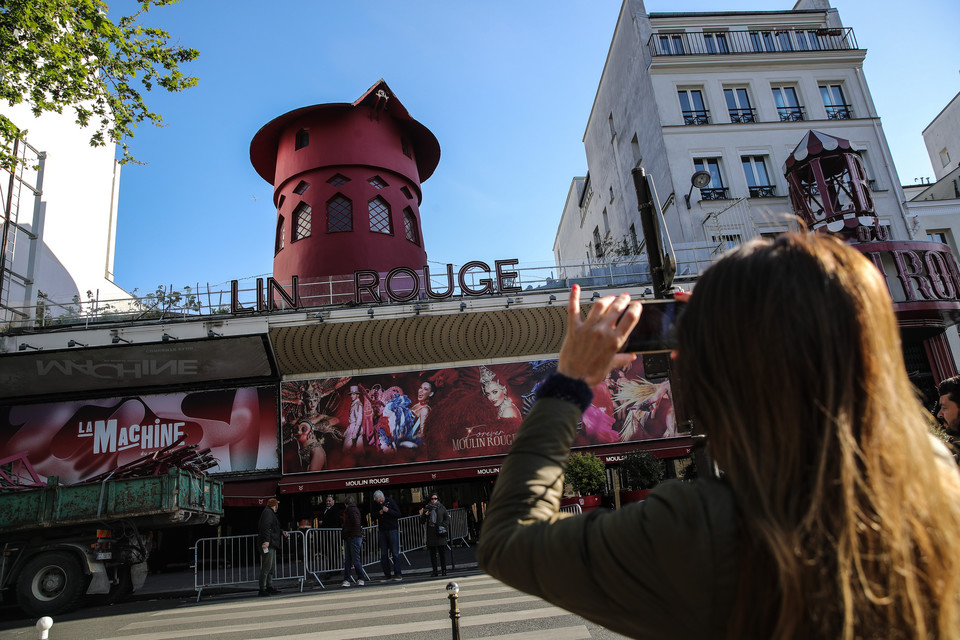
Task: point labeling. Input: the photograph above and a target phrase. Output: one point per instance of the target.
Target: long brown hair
(790, 361)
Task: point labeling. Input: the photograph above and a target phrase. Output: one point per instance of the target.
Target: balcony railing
(742, 116)
(763, 191)
(714, 193)
(696, 117)
(839, 112)
(791, 114)
(696, 43)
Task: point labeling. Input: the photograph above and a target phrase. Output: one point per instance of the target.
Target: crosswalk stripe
(358, 633)
(353, 633)
(344, 613)
(399, 594)
(565, 633)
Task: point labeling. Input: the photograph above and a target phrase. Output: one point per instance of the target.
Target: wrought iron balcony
(714, 193)
(763, 191)
(791, 114)
(697, 43)
(742, 115)
(696, 117)
(839, 112)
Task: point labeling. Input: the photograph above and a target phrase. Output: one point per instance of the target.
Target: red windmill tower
(346, 181)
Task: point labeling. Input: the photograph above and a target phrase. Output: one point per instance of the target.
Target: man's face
(949, 414)
(329, 501)
(380, 500)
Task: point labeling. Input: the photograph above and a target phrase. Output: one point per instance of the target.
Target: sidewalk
(180, 584)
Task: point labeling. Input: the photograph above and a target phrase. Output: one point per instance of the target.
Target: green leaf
(70, 53)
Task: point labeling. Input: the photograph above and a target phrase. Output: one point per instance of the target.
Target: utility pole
(663, 266)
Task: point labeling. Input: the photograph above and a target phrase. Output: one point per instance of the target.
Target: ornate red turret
(829, 188)
(346, 181)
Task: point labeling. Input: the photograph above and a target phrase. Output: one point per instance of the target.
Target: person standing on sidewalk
(386, 512)
(437, 520)
(352, 539)
(269, 535)
(330, 519)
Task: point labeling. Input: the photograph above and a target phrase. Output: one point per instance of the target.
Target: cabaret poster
(447, 414)
(82, 439)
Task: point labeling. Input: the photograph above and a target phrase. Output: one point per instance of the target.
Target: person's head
(434, 499)
(312, 400)
(789, 359)
(425, 391)
(350, 501)
(378, 497)
(949, 413)
(494, 390)
(329, 501)
(273, 503)
(354, 392)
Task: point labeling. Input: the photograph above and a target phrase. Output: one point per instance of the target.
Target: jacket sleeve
(393, 508)
(662, 568)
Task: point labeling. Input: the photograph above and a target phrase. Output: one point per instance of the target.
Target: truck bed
(168, 499)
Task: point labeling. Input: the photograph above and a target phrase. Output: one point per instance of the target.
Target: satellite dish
(700, 179)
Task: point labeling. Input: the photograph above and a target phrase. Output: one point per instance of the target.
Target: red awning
(431, 472)
(363, 478)
(249, 493)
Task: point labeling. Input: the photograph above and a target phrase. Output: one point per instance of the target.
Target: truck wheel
(50, 583)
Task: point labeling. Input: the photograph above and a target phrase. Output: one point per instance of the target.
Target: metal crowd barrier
(324, 552)
(458, 526)
(572, 508)
(413, 535)
(235, 560)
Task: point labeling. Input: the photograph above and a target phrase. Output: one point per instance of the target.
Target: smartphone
(657, 328)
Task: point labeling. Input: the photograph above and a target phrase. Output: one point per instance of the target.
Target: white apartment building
(942, 139)
(936, 207)
(732, 94)
(62, 212)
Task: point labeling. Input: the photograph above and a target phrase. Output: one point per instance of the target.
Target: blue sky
(505, 85)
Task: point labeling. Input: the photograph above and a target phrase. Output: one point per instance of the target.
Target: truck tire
(50, 583)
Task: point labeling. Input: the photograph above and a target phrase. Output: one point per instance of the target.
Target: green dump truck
(61, 543)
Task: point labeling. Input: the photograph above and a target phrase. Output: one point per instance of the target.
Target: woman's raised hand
(591, 347)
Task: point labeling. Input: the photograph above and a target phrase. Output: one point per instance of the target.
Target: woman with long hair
(835, 513)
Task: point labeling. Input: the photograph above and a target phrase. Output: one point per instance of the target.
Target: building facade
(942, 139)
(712, 105)
(60, 219)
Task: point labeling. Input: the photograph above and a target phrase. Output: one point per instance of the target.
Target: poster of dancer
(80, 439)
(451, 413)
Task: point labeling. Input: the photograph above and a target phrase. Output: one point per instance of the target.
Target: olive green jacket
(663, 568)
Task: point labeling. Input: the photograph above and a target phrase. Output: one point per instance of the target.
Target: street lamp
(699, 180)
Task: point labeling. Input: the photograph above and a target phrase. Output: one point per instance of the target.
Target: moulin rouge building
(354, 368)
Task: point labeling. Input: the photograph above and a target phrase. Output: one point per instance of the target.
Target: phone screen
(657, 328)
